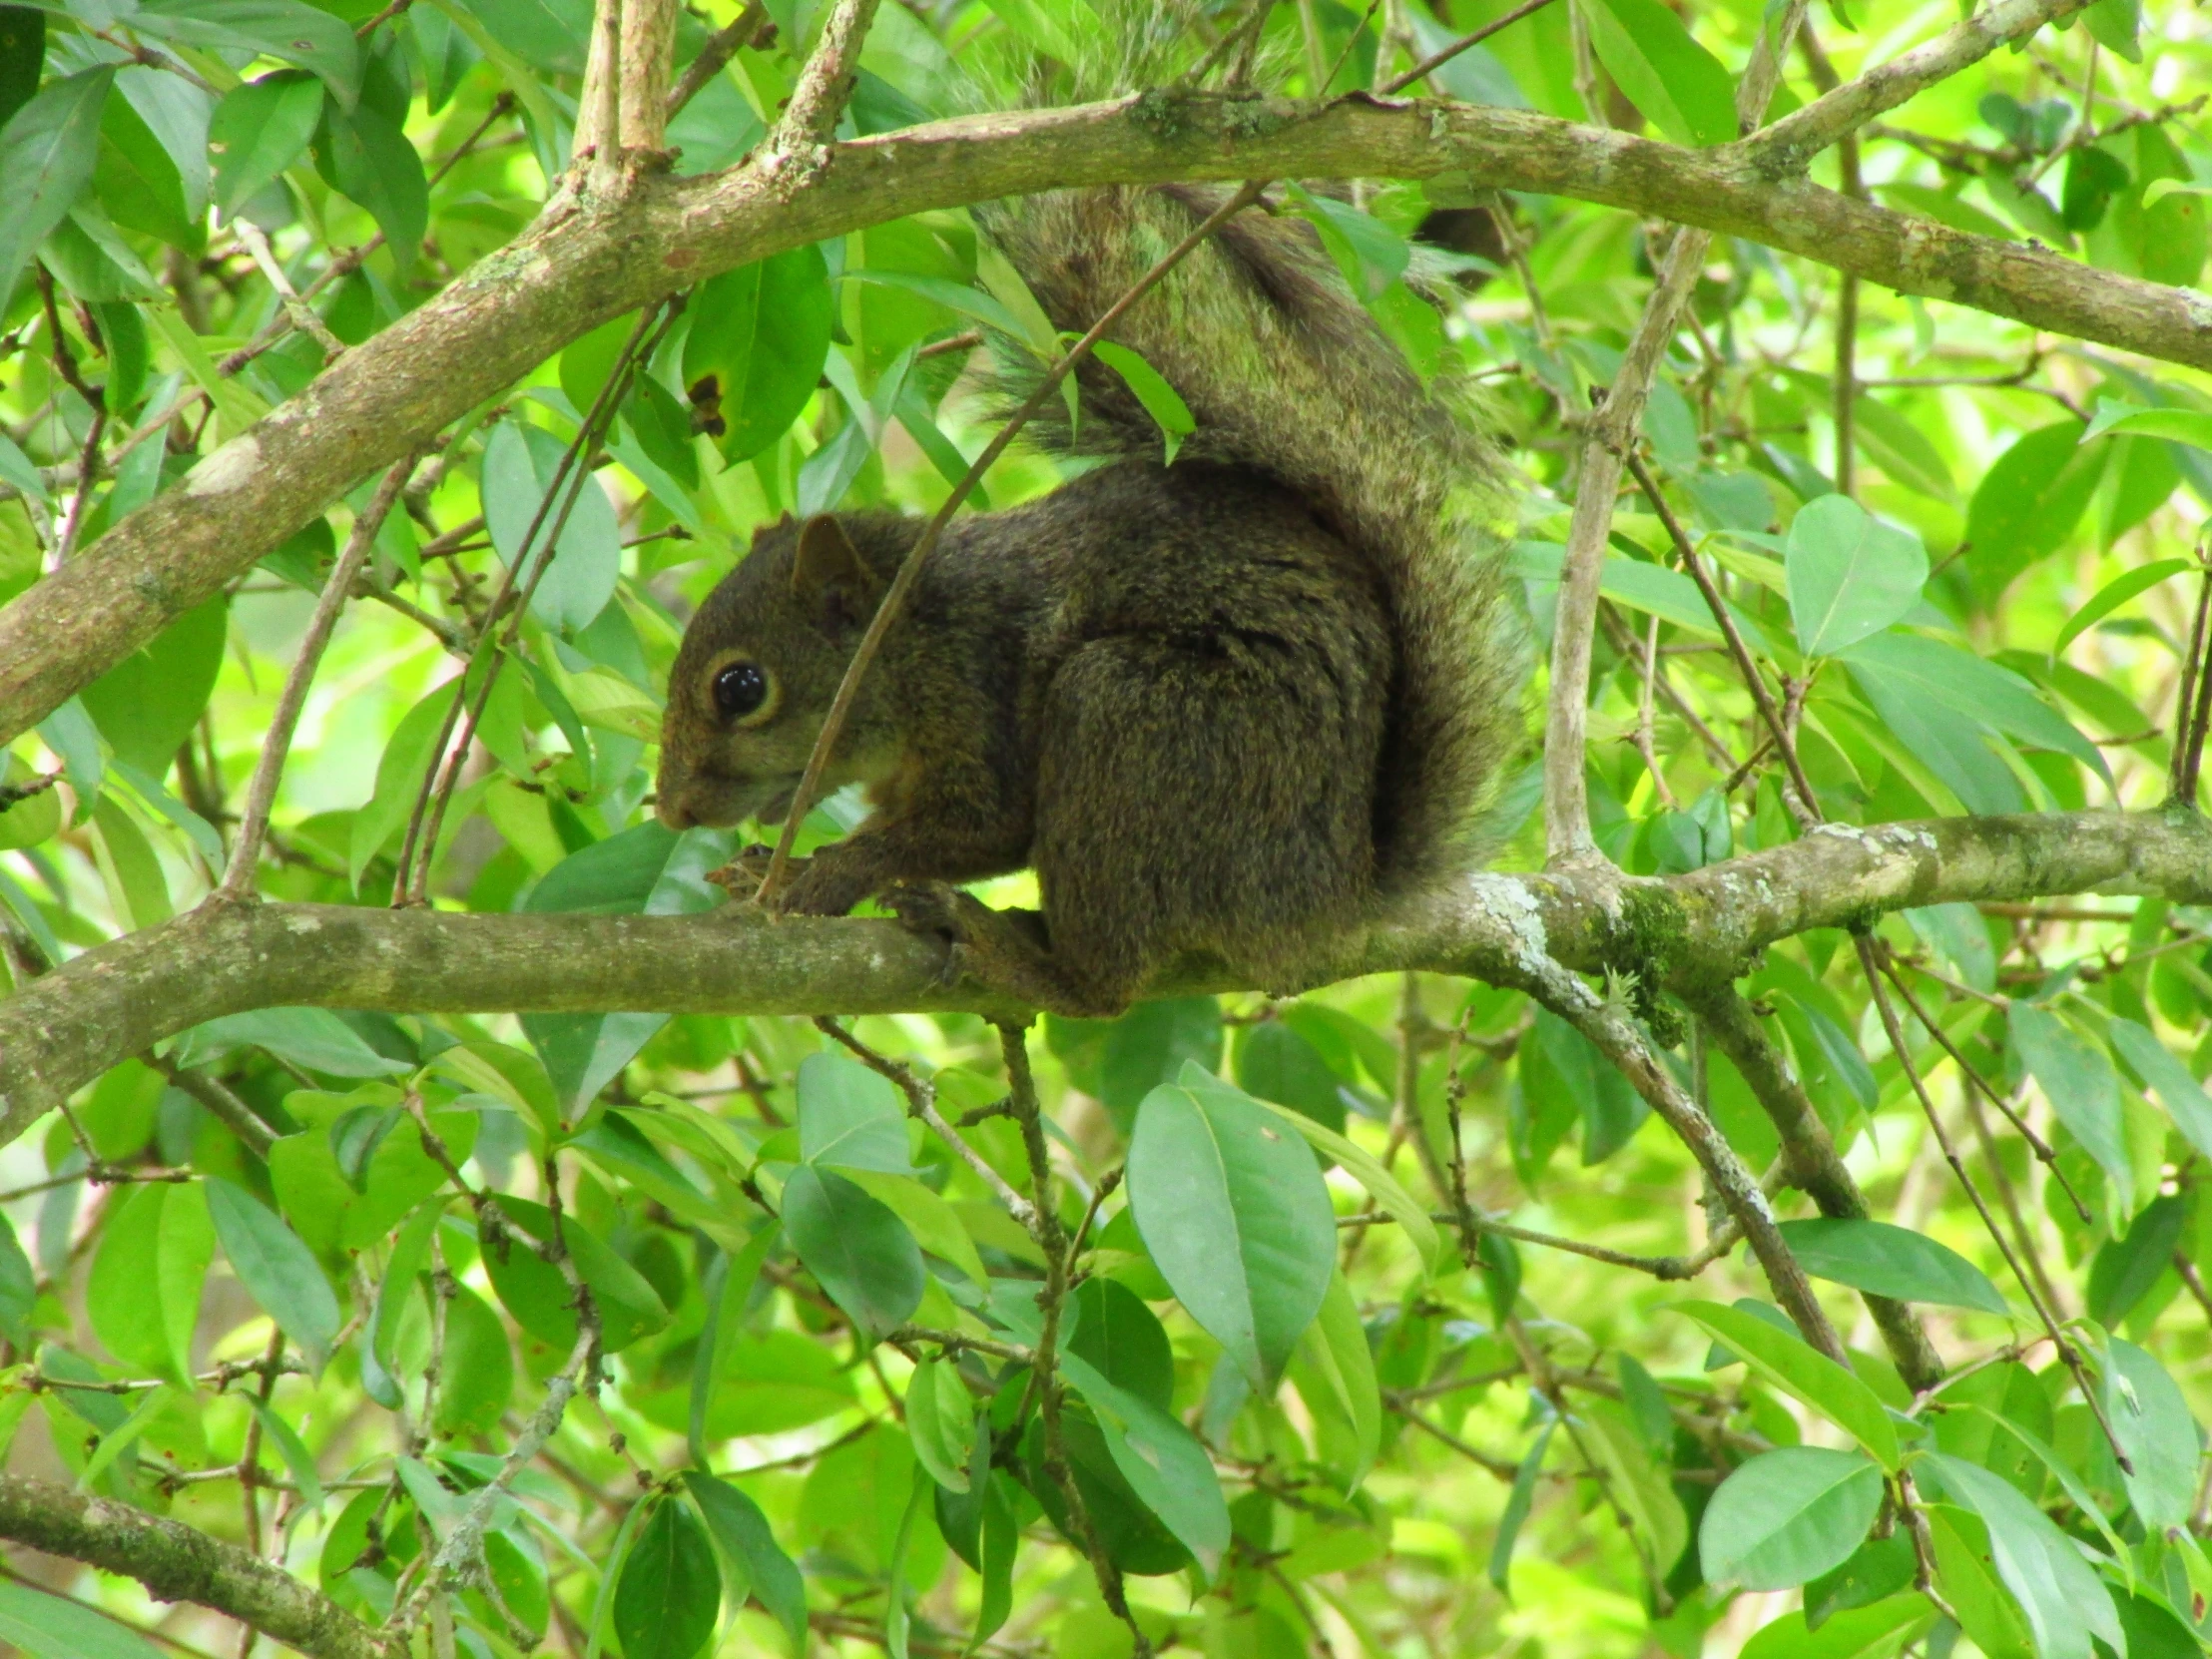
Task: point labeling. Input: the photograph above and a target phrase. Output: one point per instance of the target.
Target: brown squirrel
(1235, 705)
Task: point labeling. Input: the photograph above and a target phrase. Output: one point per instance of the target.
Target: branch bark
(64, 1030)
(176, 1563)
(587, 260)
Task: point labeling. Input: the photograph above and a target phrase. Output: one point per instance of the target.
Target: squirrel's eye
(740, 690)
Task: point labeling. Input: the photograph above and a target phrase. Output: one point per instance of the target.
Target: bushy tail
(1285, 372)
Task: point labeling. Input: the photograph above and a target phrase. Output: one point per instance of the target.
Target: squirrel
(1237, 704)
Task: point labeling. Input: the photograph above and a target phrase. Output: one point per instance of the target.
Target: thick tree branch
(64, 1030)
(1814, 1166)
(176, 1563)
(587, 262)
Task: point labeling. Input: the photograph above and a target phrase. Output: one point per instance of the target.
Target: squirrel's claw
(933, 908)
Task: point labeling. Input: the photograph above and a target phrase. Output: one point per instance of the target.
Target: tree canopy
(1759, 1211)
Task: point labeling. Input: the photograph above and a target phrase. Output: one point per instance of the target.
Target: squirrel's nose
(676, 810)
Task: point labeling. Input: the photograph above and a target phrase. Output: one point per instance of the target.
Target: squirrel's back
(1286, 374)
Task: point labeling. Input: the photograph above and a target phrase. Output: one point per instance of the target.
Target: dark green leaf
(2125, 1269)
(670, 1590)
(283, 29)
(259, 128)
(1517, 1504)
(1787, 1516)
(1275, 1063)
(354, 1138)
(47, 153)
(478, 1378)
(144, 1290)
(22, 56)
(538, 1294)
(761, 334)
(857, 1247)
(2028, 503)
(1879, 1569)
(745, 1535)
(315, 1039)
(1117, 1333)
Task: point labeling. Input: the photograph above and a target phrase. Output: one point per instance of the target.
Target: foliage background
(166, 1243)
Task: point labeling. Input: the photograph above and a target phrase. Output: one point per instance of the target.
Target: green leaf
(367, 155)
(1876, 1570)
(520, 461)
(1161, 401)
(47, 154)
(2151, 1421)
(1517, 1504)
(670, 1589)
(138, 183)
(2064, 1602)
(2029, 503)
(1875, 1632)
(1905, 676)
(408, 755)
(2113, 595)
(850, 1117)
(538, 1294)
(1337, 1349)
(857, 1247)
(277, 1270)
(1639, 1482)
(2125, 1269)
(646, 869)
(1875, 1256)
(1114, 1331)
(476, 1382)
(972, 304)
(1363, 1166)
(744, 1534)
(315, 1039)
(1849, 574)
(941, 1420)
(48, 1627)
(2078, 1080)
(259, 128)
(22, 56)
(1163, 1463)
(762, 332)
(1234, 1213)
(299, 1461)
(2179, 1091)
(2190, 427)
(1122, 1060)
(148, 704)
(1665, 73)
(142, 1294)
(1276, 1064)
(286, 30)
(1787, 1516)
(1785, 1361)
(934, 1223)
(2114, 23)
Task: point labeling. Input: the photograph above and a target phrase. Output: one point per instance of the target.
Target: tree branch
(64, 1030)
(176, 1563)
(586, 262)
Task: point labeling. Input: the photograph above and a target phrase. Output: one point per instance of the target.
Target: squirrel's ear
(830, 577)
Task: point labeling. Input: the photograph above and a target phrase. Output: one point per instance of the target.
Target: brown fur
(1233, 704)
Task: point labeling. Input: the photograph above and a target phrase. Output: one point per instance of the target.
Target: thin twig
(921, 1100)
(260, 793)
(1436, 60)
(724, 44)
(1902, 1050)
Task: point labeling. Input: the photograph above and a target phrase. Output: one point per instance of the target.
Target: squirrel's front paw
(741, 878)
(932, 908)
(819, 887)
